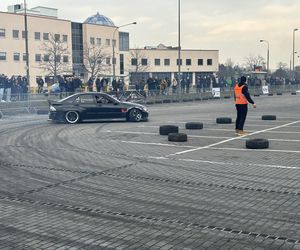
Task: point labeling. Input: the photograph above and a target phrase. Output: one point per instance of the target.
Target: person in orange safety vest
(242, 98)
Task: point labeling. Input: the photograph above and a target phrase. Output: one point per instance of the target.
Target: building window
(46, 58)
(65, 38)
(92, 40)
(65, 59)
(133, 61)
(178, 61)
(38, 57)
(24, 57)
(167, 62)
(107, 59)
(107, 42)
(188, 62)
(2, 32)
(46, 36)
(57, 58)
(98, 41)
(37, 35)
(16, 56)
(57, 37)
(121, 64)
(114, 43)
(157, 62)
(2, 56)
(209, 62)
(144, 61)
(200, 61)
(15, 34)
(23, 34)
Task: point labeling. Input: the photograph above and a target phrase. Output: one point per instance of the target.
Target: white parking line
(232, 139)
(260, 150)
(157, 144)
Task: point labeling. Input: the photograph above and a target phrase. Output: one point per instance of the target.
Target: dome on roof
(99, 19)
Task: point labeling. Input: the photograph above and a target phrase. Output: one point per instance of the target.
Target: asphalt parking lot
(119, 185)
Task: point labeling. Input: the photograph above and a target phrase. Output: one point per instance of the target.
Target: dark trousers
(242, 110)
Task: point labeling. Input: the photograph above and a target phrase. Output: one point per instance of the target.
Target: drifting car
(94, 106)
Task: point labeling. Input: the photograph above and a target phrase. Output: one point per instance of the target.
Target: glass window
(85, 99)
(121, 64)
(209, 61)
(188, 62)
(133, 61)
(57, 37)
(46, 36)
(23, 34)
(24, 56)
(16, 56)
(98, 41)
(144, 61)
(65, 59)
(38, 57)
(15, 34)
(178, 61)
(157, 62)
(37, 35)
(108, 60)
(2, 32)
(92, 40)
(167, 62)
(107, 42)
(65, 38)
(200, 61)
(57, 58)
(124, 41)
(46, 58)
(2, 56)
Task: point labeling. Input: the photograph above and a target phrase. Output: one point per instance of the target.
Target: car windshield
(67, 99)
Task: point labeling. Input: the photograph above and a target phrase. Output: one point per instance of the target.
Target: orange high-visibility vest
(239, 96)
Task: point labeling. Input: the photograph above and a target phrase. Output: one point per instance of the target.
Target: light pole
(26, 44)
(179, 48)
(268, 55)
(294, 30)
(114, 44)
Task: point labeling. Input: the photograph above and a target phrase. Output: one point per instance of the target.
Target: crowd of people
(14, 88)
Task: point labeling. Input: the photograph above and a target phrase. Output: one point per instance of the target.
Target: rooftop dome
(99, 19)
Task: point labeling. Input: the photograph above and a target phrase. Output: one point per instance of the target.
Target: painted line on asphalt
(157, 144)
(260, 150)
(232, 139)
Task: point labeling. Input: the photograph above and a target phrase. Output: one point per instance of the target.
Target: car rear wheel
(72, 117)
(135, 115)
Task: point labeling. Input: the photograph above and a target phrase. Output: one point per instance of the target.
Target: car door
(88, 107)
(108, 108)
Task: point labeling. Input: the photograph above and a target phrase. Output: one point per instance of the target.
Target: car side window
(102, 99)
(85, 99)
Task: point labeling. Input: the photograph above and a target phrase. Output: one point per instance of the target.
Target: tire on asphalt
(227, 97)
(72, 117)
(269, 117)
(279, 93)
(294, 93)
(194, 125)
(270, 94)
(167, 129)
(135, 115)
(224, 120)
(256, 95)
(177, 137)
(257, 143)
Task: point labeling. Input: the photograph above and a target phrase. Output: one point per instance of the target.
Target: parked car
(93, 106)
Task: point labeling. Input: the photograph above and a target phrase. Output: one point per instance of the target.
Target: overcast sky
(234, 27)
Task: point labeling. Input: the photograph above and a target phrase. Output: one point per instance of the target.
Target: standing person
(2, 86)
(98, 85)
(242, 98)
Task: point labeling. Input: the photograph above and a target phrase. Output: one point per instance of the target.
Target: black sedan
(94, 106)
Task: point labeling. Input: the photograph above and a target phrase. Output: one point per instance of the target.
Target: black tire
(294, 93)
(135, 115)
(167, 129)
(194, 125)
(257, 143)
(270, 94)
(224, 120)
(256, 95)
(72, 117)
(279, 93)
(177, 137)
(227, 97)
(269, 117)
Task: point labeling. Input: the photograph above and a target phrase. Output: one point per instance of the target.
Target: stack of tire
(172, 131)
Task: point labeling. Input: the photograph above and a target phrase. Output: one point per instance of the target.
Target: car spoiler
(52, 102)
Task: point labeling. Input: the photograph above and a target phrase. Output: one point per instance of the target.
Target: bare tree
(95, 60)
(254, 60)
(137, 65)
(56, 56)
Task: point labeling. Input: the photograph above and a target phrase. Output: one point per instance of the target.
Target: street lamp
(268, 55)
(26, 43)
(294, 30)
(179, 48)
(114, 44)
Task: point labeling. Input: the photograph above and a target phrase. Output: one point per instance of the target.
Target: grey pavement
(119, 185)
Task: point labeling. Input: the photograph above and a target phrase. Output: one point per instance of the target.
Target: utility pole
(26, 44)
(179, 48)
(294, 49)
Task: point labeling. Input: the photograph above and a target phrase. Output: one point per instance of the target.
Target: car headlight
(52, 108)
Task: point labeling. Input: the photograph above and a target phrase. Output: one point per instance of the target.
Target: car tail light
(123, 110)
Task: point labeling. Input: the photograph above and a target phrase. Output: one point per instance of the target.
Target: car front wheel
(72, 117)
(135, 115)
